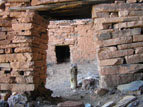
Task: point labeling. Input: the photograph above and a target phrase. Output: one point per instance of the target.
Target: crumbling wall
(23, 44)
(78, 34)
(119, 40)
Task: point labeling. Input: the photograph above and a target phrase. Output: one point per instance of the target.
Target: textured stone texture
(78, 34)
(21, 48)
(119, 40)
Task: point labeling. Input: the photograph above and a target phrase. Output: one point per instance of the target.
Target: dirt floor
(58, 81)
(59, 77)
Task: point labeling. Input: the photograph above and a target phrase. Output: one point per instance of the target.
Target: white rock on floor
(109, 104)
(133, 86)
(125, 101)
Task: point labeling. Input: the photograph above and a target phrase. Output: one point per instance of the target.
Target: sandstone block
(116, 61)
(116, 7)
(127, 32)
(106, 49)
(139, 50)
(128, 24)
(22, 26)
(130, 13)
(1, 51)
(6, 65)
(23, 50)
(2, 35)
(21, 65)
(22, 87)
(21, 39)
(115, 54)
(116, 41)
(134, 58)
(138, 38)
(116, 20)
(131, 1)
(100, 14)
(8, 50)
(121, 69)
(131, 45)
(6, 23)
(15, 57)
(104, 36)
(115, 80)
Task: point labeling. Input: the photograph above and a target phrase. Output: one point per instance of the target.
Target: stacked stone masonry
(77, 34)
(119, 41)
(23, 44)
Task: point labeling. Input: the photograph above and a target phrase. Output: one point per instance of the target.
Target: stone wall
(23, 44)
(119, 38)
(78, 34)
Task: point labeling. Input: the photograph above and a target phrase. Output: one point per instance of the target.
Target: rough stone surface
(118, 25)
(71, 104)
(133, 86)
(109, 104)
(125, 101)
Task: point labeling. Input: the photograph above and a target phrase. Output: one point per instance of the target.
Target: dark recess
(62, 54)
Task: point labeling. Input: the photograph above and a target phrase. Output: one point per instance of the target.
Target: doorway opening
(62, 54)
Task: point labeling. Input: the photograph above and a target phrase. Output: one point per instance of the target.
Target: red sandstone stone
(116, 41)
(131, 45)
(116, 61)
(22, 26)
(121, 69)
(138, 38)
(134, 58)
(139, 50)
(115, 54)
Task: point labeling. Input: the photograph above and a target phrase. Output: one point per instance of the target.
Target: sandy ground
(58, 81)
(58, 77)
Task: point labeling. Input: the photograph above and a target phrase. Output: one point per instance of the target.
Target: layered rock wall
(78, 34)
(119, 41)
(23, 44)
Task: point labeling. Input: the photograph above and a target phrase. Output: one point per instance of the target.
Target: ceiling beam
(57, 6)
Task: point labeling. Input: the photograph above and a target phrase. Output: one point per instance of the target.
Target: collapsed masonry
(24, 39)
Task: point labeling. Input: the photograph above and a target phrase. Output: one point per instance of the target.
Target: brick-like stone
(21, 39)
(121, 69)
(23, 50)
(15, 57)
(22, 26)
(139, 50)
(131, 1)
(116, 7)
(115, 54)
(128, 24)
(137, 58)
(5, 23)
(130, 13)
(109, 81)
(21, 65)
(127, 32)
(115, 20)
(116, 41)
(115, 61)
(138, 38)
(131, 45)
(104, 36)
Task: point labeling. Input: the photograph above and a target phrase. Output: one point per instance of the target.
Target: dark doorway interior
(63, 54)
